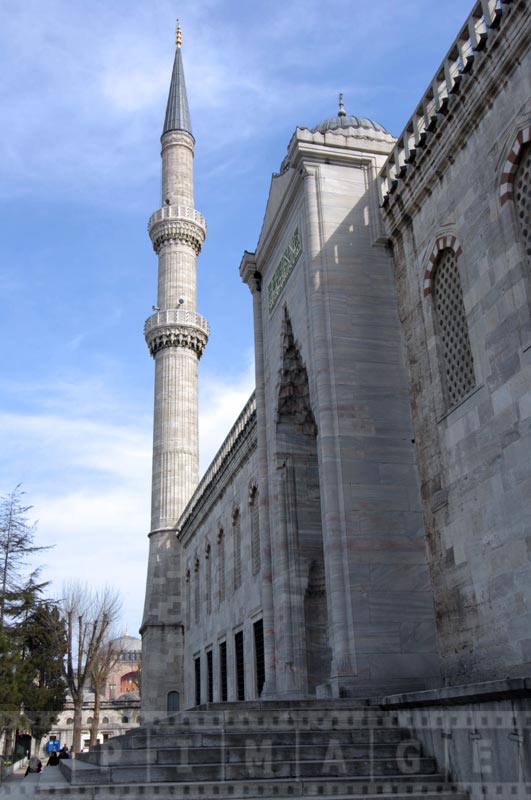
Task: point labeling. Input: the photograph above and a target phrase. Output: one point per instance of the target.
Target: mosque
(365, 527)
(362, 539)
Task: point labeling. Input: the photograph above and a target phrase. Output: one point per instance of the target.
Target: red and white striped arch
(511, 165)
(448, 242)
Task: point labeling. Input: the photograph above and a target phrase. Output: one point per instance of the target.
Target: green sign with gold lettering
(289, 258)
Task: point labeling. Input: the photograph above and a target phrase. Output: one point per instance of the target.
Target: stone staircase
(231, 751)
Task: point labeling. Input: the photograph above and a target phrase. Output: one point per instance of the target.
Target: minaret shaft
(175, 440)
(177, 169)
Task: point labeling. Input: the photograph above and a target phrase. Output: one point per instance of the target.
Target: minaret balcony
(176, 327)
(177, 224)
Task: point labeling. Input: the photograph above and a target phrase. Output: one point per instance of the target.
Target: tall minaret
(176, 336)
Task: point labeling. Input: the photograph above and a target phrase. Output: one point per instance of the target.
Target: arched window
(105, 720)
(255, 530)
(172, 702)
(452, 327)
(208, 578)
(196, 591)
(237, 548)
(221, 566)
(522, 198)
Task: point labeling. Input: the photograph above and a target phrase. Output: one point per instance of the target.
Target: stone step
(264, 705)
(141, 739)
(321, 718)
(259, 770)
(182, 752)
(398, 788)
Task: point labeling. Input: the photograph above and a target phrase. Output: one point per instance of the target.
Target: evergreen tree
(44, 650)
(10, 694)
(17, 544)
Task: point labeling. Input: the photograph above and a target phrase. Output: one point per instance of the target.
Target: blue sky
(82, 100)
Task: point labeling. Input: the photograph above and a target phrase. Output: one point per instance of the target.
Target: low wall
(480, 734)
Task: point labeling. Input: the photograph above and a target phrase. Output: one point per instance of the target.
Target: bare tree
(89, 616)
(105, 660)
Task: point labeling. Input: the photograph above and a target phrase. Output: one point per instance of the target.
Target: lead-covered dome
(129, 647)
(343, 121)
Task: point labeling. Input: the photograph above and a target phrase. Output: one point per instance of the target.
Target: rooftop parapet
(476, 36)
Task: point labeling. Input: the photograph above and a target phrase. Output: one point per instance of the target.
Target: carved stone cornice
(176, 328)
(177, 224)
(174, 138)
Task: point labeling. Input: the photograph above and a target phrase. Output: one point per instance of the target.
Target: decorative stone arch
(522, 138)
(297, 521)
(447, 242)
(293, 403)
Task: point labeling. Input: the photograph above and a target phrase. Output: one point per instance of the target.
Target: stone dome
(130, 647)
(343, 122)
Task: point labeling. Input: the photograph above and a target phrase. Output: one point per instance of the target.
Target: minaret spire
(177, 111)
(176, 336)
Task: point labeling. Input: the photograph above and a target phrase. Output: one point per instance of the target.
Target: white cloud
(83, 455)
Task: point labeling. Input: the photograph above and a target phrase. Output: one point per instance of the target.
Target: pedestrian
(34, 765)
(54, 759)
(64, 752)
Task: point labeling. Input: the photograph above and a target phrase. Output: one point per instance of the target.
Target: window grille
(255, 532)
(452, 328)
(223, 671)
(240, 665)
(210, 677)
(522, 198)
(197, 671)
(258, 628)
(237, 549)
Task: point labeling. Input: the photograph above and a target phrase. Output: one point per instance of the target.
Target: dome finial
(341, 112)
(178, 35)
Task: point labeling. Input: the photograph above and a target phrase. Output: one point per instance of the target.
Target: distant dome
(343, 122)
(130, 647)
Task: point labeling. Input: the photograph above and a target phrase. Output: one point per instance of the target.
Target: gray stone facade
(365, 528)
(474, 455)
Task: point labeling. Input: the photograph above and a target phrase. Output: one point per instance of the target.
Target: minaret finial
(341, 112)
(178, 35)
